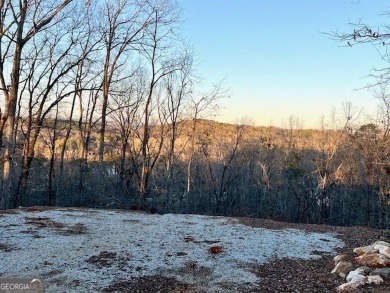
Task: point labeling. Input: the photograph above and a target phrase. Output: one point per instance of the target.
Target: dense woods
(101, 107)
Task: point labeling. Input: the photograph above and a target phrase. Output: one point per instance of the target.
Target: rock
(373, 279)
(382, 243)
(373, 260)
(364, 249)
(375, 256)
(346, 287)
(358, 280)
(380, 247)
(352, 275)
(384, 250)
(342, 268)
(383, 272)
(342, 257)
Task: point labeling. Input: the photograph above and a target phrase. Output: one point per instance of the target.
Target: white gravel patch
(145, 245)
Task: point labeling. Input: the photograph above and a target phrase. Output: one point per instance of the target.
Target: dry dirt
(314, 275)
(277, 275)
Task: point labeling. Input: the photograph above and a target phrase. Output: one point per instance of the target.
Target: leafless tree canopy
(101, 105)
(362, 34)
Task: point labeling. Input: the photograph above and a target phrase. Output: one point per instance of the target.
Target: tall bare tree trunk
(192, 153)
(145, 171)
(106, 89)
(52, 196)
(8, 198)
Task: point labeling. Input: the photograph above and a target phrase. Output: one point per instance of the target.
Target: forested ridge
(102, 107)
(331, 176)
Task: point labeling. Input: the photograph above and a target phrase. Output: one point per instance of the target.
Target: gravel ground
(281, 273)
(285, 275)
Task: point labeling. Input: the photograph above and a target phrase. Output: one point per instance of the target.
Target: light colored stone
(383, 243)
(342, 268)
(352, 275)
(352, 285)
(364, 249)
(379, 247)
(384, 250)
(373, 260)
(375, 256)
(342, 257)
(373, 279)
(358, 280)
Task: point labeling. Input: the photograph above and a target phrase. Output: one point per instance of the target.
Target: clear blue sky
(275, 59)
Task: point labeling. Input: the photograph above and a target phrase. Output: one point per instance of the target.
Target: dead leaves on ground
(6, 247)
(156, 283)
(103, 259)
(42, 222)
(214, 248)
(108, 259)
(63, 229)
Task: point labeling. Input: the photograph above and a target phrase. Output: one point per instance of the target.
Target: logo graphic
(12, 285)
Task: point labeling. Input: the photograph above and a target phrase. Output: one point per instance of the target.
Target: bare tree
(84, 75)
(363, 33)
(179, 87)
(373, 142)
(328, 167)
(20, 22)
(122, 28)
(48, 81)
(201, 106)
(124, 109)
(162, 61)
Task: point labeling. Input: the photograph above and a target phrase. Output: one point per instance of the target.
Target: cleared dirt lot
(89, 250)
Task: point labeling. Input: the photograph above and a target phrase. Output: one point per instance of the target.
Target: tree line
(102, 107)
(97, 63)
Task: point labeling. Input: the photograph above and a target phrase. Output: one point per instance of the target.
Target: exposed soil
(157, 284)
(6, 247)
(277, 275)
(287, 275)
(104, 259)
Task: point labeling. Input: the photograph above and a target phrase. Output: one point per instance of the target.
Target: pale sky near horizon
(276, 60)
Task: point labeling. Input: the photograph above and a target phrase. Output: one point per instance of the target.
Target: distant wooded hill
(302, 175)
